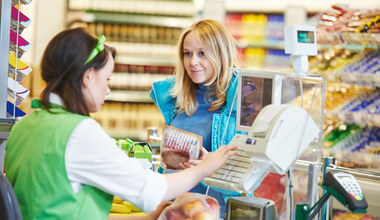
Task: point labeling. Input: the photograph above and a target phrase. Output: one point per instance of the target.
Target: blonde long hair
(221, 50)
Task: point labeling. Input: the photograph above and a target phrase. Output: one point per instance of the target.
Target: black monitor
(257, 89)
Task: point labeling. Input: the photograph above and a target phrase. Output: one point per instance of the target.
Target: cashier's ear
(87, 77)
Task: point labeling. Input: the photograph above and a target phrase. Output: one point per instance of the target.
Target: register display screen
(305, 37)
(256, 93)
(240, 211)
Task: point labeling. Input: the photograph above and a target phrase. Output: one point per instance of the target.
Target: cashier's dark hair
(62, 67)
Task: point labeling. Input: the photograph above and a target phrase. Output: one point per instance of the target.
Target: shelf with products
(140, 78)
(135, 19)
(128, 120)
(180, 8)
(280, 5)
(12, 69)
(352, 68)
(145, 34)
(260, 39)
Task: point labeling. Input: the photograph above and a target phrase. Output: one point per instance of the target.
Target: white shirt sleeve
(93, 158)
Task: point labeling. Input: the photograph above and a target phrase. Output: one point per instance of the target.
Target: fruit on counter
(120, 208)
(128, 214)
(117, 199)
(134, 208)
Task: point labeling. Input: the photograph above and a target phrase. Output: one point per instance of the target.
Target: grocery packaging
(192, 206)
(178, 146)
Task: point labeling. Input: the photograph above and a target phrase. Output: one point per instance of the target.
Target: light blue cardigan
(160, 93)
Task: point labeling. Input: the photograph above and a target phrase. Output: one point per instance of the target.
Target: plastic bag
(178, 146)
(192, 206)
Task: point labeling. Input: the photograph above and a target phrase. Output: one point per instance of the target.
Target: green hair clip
(98, 48)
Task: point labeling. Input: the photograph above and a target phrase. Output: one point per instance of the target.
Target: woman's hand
(214, 160)
(193, 162)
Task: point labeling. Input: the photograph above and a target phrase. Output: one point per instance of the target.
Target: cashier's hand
(193, 162)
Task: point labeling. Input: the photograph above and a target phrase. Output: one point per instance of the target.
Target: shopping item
(192, 206)
(178, 146)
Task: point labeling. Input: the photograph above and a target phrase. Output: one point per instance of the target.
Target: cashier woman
(62, 164)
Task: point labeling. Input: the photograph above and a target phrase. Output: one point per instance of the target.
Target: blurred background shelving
(145, 34)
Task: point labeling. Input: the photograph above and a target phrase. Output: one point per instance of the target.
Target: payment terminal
(348, 187)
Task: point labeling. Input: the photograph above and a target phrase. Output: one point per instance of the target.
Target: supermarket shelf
(145, 60)
(352, 47)
(25, 2)
(280, 5)
(152, 7)
(138, 19)
(363, 174)
(5, 127)
(134, 96)
(362, 110)
(268, 45)
(363, 79)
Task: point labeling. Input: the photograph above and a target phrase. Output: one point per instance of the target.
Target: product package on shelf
(337, 94)
(363, 110)
(365, 30)
(348, 26)
(16, 2)
(17, 91)
(142, 151)
(330, 61)
(339, 133)
(22, 44)
(351, 67)
(19, 20)
(192, 206)
(178, 146)
(361, 149)
(22, 68)
(363, 70)
(13, 111)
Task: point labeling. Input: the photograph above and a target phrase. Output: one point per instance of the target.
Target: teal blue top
(202, 117)
(223, 120)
